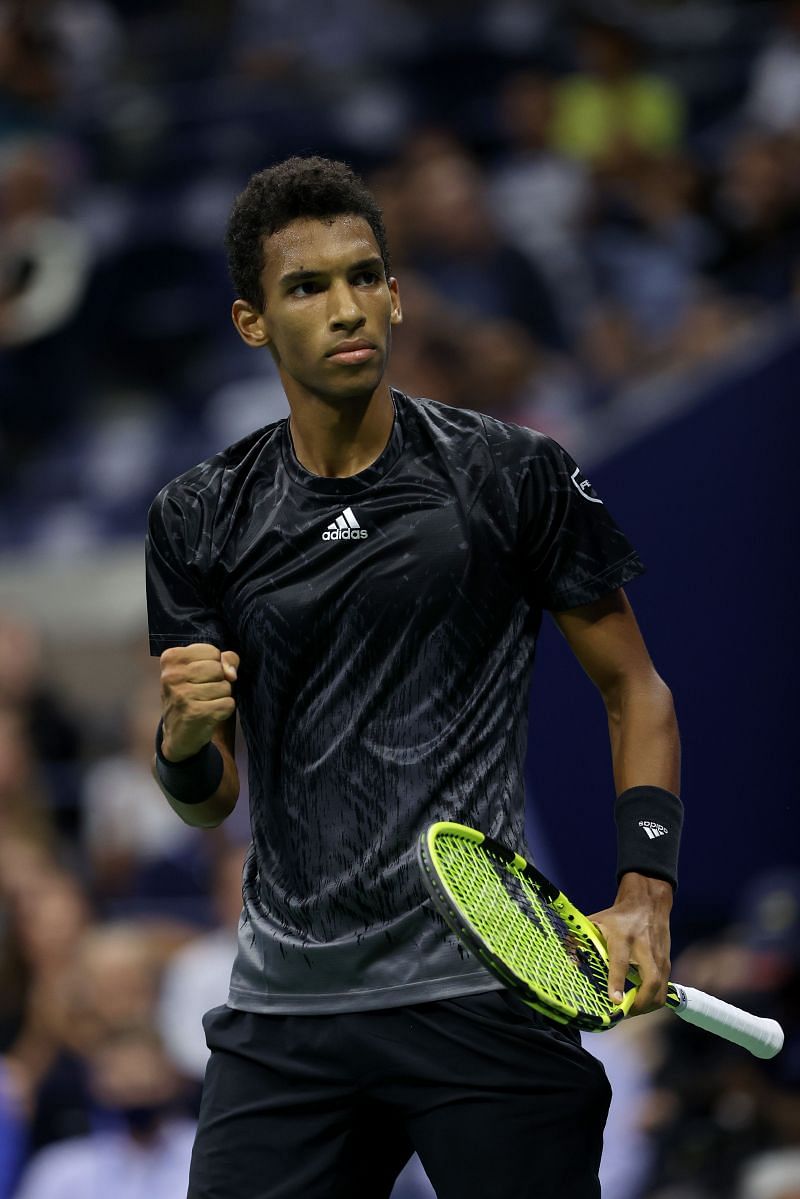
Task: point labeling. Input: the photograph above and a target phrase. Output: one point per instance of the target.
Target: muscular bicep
(605, 638)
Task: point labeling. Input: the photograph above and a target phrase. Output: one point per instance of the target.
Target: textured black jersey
(386, 625)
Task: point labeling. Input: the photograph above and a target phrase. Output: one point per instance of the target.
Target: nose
(343, 308)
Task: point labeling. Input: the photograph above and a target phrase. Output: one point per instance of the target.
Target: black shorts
(498, 1102)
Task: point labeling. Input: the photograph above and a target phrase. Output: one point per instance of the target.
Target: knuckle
(200, 651)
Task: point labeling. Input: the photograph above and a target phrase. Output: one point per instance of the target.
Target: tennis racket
(520, 926)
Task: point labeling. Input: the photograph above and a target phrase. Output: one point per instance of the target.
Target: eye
(304, 289)
(368, 278)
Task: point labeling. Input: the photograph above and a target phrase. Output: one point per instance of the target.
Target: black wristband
(191, 780)
(649, 822)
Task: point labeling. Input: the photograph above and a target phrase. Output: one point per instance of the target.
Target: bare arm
(645, 751)
(198, 707)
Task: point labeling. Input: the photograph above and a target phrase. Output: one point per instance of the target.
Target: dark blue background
(710, 502)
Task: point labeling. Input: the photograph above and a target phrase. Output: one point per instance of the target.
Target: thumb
(230, 663)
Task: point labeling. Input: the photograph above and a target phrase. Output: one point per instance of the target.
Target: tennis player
(363, 585)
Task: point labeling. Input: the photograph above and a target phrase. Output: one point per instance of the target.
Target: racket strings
(525, 931)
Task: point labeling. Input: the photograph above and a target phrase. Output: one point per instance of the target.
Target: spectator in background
(651, 245)
(491, 365)
(612, 109)
(24, 859)
(540, 196)
(134, 843)
(514, 379)
(321, 42)
(771, 1176)
(457, 247)
(113, 984)
(773, 102)
(714, 1107)
(197, 976)
(648, 244)
(141, 1144)
(49, 729)
(44, 254)
(84, 983)
(757, 211)
(48, 913)
(82, 39)
(428, 349)
(29, 81)
(23, 799)
(44, 269)
(13, 1142)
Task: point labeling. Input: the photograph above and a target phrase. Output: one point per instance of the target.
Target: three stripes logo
(344, 528)
(652, 829)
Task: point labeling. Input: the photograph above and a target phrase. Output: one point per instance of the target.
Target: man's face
(328, 308)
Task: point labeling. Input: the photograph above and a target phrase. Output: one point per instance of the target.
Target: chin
(355, 389)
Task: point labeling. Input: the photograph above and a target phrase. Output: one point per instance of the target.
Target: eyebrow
(362, 265)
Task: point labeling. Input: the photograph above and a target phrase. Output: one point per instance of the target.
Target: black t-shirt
(386, 625)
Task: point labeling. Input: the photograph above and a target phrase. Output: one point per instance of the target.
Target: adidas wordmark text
(344, 528)
(652, 829)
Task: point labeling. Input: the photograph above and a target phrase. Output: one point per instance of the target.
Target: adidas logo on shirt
(344, 528)
(652, 829)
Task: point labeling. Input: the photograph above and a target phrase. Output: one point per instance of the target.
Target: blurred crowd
(117, 932)
(574, 205)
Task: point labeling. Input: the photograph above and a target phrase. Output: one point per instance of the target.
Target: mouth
(352, 352)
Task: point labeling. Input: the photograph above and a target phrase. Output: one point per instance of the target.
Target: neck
(340, 438)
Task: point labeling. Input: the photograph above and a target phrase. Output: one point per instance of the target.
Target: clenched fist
(196, 696)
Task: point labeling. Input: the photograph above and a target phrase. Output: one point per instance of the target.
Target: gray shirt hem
(354, 1000)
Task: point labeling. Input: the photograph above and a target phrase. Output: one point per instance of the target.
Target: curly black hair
(297, 187)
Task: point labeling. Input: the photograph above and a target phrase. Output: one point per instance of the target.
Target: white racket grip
(763, 1037)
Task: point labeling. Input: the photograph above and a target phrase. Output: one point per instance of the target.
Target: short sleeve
(571, 550)
(179, 610)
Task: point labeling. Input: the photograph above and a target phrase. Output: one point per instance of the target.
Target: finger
(223, 709)
(190, 700)
(230, 661)
(204, 670)
(216, 709)
(647, 998)
(190, 653)
(203, 692)
(618, 962)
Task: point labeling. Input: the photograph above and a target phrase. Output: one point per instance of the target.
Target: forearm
(643, 731)
(645, 750)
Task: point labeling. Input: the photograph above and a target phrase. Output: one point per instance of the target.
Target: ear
(397, 311)
(250, 325)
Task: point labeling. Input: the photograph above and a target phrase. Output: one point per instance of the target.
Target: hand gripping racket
(520, 926)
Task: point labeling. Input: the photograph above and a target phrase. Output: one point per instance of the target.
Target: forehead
(311, 244)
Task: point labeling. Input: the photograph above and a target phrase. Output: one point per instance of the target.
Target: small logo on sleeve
(652, 829)
(344, 528)
(582, 486)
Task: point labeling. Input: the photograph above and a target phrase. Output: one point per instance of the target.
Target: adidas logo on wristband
(652, 829)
